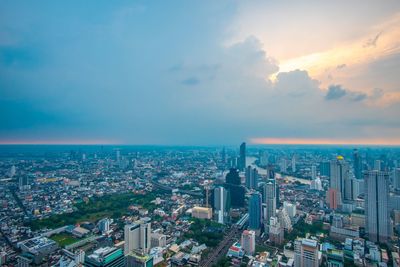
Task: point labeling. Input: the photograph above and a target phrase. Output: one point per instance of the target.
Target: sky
(200, 72)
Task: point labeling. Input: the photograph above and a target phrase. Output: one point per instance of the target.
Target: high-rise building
(233, 185)
(313, 172)
(137, 259)
(248, 242)
(294, 163)
(251, 177)
(137, 236)
(12, 171)
(325, 168)
(306, 253)
(255, 211)
(276, 231)
(221, 204)
(339, 170)
(104, 225)
(290, 209)
(377, 212)
(269, 200)
(284, 220)
(332, 198)
(23, 182)
(202, 213)
(357, 164)
(316, 184)
(396, 178)
(232, 177)
(106, 257)
(242, 157)
(377, 165)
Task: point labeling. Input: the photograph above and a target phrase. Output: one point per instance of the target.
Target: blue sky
(199, 72)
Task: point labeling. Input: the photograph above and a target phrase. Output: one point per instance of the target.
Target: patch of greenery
(206, 231)
(113, 206)
(64, 239)
(301, 228)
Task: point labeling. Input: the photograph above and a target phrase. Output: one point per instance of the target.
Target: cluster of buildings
(282, 206)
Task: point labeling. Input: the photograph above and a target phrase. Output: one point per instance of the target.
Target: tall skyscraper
(376, 206)
(248, 242)
(242, 157)
(294, 163)
(255, 211)
(306, 253)
(313, 172)
(233, 185)
(251, 177)
(12, 171)
(325, 168)
(396, 178)
(357, 164)
(269, 201)
(339, 170)
(276, 231)
(233, 177)
(377, 165)
(138, 236)
(221, 204)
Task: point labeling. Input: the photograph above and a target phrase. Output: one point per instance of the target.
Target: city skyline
(200, 73)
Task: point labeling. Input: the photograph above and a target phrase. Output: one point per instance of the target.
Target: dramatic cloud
(158, 74)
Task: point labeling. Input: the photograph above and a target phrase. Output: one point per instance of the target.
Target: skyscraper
(242, 157)
(396, 178)
(248, 242)
(269, 201)
(221, 204)
(306, 253)
(233, 177)
(357, 164)
(251, 177)
(339, 171)
(376, 206)
(325, 168)
(313, 172)
(233, 185)
(137, 236)
(255, 211)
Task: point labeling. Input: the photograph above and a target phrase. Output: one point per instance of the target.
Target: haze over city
(200, 72)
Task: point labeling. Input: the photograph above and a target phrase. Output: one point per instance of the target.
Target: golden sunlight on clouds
(343, 60)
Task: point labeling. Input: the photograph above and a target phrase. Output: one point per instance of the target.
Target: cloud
(191, 81)
(341, 66)
(372, 41)
(335, 92)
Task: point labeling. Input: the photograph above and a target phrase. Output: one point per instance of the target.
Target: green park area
(301, 228)
(113, 206)
(64, 239)
(206, 231)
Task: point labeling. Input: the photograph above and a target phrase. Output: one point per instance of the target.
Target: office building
(105, 257)
(255, 211)
(137, 236)
(158, 240)
(313, 172)
(135, 259)
(357, 164)
(377, 212)
(104, 225)
(248, 242)
(276, 231)
(306, 253)
(242, 157)
(325, 168)
(202, 213)
(269, 201)
(251, 177)
(396, 178)
(339, 170)
(290, 209)
(233, 185)
(221, 204)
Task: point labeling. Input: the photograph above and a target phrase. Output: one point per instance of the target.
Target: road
(222, 248)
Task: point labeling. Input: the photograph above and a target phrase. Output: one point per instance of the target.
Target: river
(251, 161)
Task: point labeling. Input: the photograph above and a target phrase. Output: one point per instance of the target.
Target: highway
(222, 248)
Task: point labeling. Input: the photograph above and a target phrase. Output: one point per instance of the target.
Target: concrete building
(106, 257)
(377, 213)
(248, 242)
(202, 213)
(306, 253)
